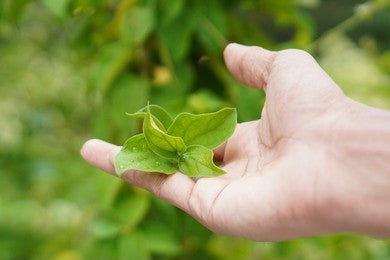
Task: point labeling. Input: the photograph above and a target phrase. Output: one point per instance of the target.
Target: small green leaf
(142, 116)
(175, 37)
(166, 151)
(104, 228)
(57, 8)
(198, 161)
(209, 130)
(133, 246)
(131, 210)
(159, 142)
(138, 23)
(136, 155)
(159, 114)
(162, 239)
(170, 9)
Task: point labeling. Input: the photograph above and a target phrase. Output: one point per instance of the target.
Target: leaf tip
(119, 170)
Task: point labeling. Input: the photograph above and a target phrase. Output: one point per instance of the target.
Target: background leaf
(138, 22)
(104, 228)
(129, 93)
(131, 210)
(57, 8)
(133, 246)
(162, 239)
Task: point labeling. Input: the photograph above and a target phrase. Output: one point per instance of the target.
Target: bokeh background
(70, 69)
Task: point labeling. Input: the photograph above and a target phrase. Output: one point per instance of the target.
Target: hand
(298, 171)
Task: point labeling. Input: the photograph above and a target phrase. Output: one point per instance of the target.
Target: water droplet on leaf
(134, 149)
(157, 163)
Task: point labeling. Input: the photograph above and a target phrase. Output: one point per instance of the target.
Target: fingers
(249, 65)
(175, 188)
(100, 154)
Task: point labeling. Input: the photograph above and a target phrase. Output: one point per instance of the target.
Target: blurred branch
(213, 31)
(362, 13)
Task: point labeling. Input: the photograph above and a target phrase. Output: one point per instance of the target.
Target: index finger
(175, 189)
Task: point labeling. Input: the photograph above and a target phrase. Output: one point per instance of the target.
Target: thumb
(289, 75)
(249, 65)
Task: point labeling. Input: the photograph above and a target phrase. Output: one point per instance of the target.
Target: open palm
(272, 187)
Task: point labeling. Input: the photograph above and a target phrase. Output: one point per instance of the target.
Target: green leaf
(100, 249)
(198, 161)
(161, 117)
(162, 239)
(133, 246)
(169, 9)
(104, 228)
(116, 101)
(209, 130)
(138, 23)
(175, 37)
(136, 155)
(166, 151)
(250, 101)
(57, 8)
(131, 210)
(212, 27)
(110, 64)
(161, 143)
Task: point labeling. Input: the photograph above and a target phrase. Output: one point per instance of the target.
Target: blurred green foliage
(70, 69)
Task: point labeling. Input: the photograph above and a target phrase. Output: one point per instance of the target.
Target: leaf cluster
(183, 143)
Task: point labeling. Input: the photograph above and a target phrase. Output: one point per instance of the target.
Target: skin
(316, 162)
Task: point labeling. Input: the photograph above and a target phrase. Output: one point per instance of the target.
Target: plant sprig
(183, 143)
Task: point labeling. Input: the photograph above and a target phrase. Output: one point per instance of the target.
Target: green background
(70, 69)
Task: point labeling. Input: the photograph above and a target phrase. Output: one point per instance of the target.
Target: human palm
(271, 180)
(270, 191)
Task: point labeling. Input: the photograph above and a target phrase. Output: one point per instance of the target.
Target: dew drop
(134, 149)
(121, 166)
(157, 163)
